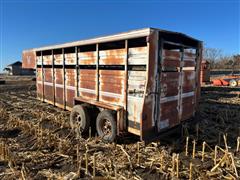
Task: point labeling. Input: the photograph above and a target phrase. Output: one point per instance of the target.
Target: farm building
(16, 69)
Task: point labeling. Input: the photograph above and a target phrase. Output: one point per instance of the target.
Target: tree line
(218, 60)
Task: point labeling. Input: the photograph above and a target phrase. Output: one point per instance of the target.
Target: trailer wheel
(106, 126)
(233, 83)
(79, 119)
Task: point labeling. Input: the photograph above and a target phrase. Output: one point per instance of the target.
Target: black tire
(106, 126)
(79, 119)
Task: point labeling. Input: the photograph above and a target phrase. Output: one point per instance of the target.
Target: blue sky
(26, 24)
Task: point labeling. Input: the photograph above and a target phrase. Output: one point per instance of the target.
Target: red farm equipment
(232, 81)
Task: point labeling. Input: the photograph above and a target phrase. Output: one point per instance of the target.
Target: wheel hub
(78, 120)
(106, 128)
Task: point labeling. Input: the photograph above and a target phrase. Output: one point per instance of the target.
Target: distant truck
(143, 81)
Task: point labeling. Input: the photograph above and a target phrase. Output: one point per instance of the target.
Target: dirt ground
(36, 142)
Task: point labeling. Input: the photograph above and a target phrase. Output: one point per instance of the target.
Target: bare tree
(236, 60)
(212, 55)
(224, 62)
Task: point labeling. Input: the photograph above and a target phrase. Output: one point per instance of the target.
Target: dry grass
(38, 143)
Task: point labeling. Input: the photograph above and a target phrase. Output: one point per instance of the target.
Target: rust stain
(70, 58)
(87, 58)
(112, 57)
(47, 59)
(58, 59)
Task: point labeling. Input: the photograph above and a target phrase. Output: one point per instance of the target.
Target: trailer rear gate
(152, 75)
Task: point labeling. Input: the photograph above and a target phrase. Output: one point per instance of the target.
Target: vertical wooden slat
(97, 71)
(180, 85)
(64, 79)
(77, 73)
(42, 77)
(197, 75)
(157, 105)
(126, 87)
(53, 79)
(36, 72)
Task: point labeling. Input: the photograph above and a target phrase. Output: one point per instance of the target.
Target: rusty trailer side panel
(88, 83)
(70, 78)
(150, 75)
(111, 88)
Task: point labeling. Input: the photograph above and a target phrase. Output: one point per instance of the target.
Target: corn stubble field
(36, 142)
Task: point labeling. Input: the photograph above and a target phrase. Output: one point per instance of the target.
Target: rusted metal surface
(48, 84)
(176, 95)
(138, 56)
(177, 85)
(136, 88)
(29, 59)
(59, 90)
(152, 80)
(70, 86)
(70, 59)
(87, 83)
(147, 125)
(58, 59)
(112, 57)
(98, 103)
(111, 86)
(87, 58)
(122, 125)
(47, 60)
(39, 83)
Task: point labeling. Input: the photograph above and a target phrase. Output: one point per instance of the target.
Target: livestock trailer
(143, 81)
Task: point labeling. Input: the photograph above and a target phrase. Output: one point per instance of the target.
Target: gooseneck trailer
(143, 81)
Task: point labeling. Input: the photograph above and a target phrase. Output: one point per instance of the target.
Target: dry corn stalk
(225, 142)
(186, 147)
(128, 157)
(23, 172)
(161, 161)
(233, 165)
(115, 171)
(86, 162)
(190, 171)
(1, 150)
(238, 144)
(220, 162)
(194, 149)
(173, 164)
(215, 155)
(138, 153)
(94, 165)
(203, 150)
(177, 165)
(79, 168)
